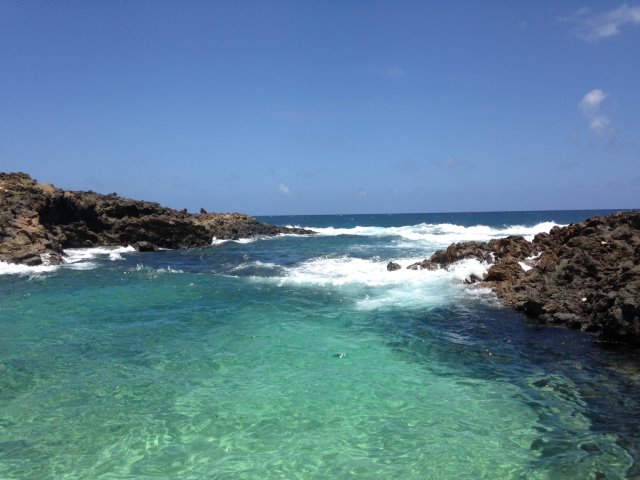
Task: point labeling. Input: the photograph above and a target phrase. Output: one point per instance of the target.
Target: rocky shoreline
(583, 276)
(38, 221)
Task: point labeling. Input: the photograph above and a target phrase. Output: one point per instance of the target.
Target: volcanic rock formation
(585, 276)
(38, 220)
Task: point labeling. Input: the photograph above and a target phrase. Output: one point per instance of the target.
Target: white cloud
(452, 163)
(284, 190)
(592, 100)
(590, 106)
(300, 115)
(594, 26)
(391, 72)
(407, 167)
(394, 72)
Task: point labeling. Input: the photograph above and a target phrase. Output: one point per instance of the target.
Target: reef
(38, 221)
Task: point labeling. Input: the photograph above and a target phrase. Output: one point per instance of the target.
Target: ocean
(302, 357)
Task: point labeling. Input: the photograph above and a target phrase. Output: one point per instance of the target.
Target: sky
(323, 107)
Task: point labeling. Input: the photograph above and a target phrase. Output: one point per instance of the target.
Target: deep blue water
(465, 219)
(302, 357)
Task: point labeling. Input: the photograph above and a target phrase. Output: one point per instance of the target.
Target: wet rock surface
(392, 266)
(584, 276)
(38, 220)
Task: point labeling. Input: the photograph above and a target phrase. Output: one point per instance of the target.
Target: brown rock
(584, 275)
(504, 271)
(392, 266)
(424, 265)
(38, 219)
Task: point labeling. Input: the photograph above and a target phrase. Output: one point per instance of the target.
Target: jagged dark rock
(424, 265)
(145, 246)
(392, 267)
(584, 276)
(472, 278)
(38, 220)
(507, 270)
(500, 249)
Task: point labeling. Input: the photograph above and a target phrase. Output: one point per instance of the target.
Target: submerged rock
(584, 276)
(38, 220)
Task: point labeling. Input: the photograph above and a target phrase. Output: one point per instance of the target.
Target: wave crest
(440, 233)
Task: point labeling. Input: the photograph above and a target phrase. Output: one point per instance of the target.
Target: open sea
(302, 357)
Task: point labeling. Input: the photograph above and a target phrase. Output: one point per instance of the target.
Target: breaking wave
(17, 269)
(73, 258)
(440, 233)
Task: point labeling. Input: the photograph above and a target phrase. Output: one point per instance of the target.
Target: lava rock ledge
(38, 220)
(584, 276)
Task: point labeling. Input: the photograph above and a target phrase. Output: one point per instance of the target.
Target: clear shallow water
(300, 357)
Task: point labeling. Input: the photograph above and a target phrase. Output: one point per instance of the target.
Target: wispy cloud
(569, 165)
(300, 115)
(309, 174)
(451, 163)
(390, 72)
(590, 106)
(407, 167)
(594, 26)
(284, 190)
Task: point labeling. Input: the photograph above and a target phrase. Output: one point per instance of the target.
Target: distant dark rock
(392, 266)
(38, 220)
(473, 278)
(424, 265)
(145, 246)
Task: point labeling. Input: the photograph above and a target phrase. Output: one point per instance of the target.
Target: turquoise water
(302, 357)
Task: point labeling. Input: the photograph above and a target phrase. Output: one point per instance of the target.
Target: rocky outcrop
(500, 249)
(585, 276)
(392, 266)
(38, 220)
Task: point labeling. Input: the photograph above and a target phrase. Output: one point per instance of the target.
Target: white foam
(256, 263)
(373, 286)
(73, 258)
(221, 241)
(45, 258)
(81, 265)
(441, 233)
(17, 269)
(463, 269)
(405, 298)
(154, 271)
(344, 270)
(530, 232)
(369, 281)
(524, 266)
(528, 263)
(75, 255)
(217, 241)
(246, 240)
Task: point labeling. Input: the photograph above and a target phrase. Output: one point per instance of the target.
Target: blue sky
(312, 107)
